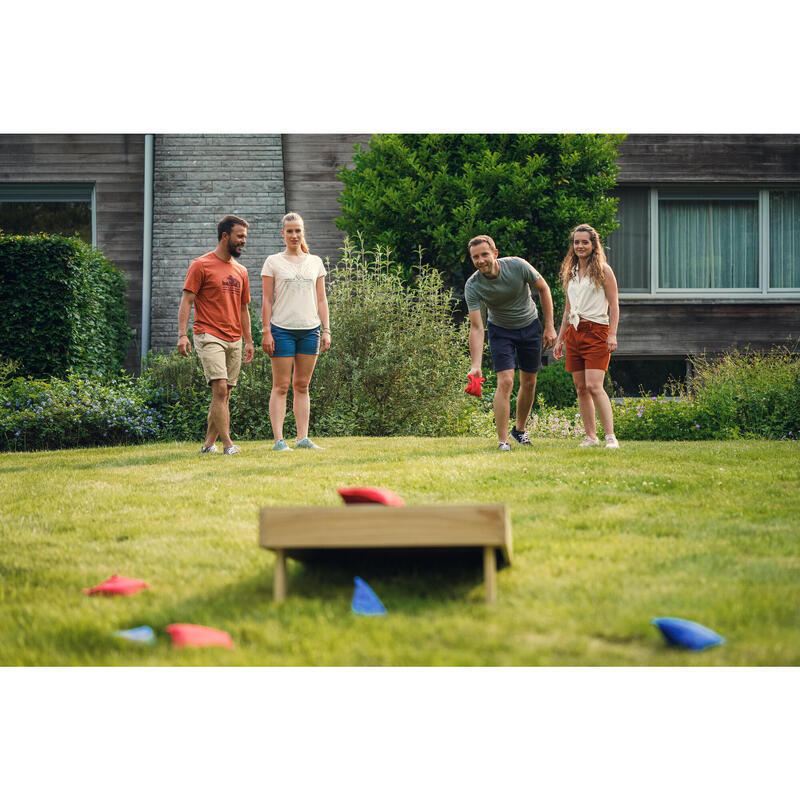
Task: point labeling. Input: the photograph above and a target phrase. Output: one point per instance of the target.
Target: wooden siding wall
(310, 164)
(721, 158)
(114, 163)
(678, 328)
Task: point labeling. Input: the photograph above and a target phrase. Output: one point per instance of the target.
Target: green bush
(554, 386)
(72, 412)
(63, 307)
(738, 394)
(439, 190)
(750, 393)
(176, 389)
(397, 363)
(664, 419)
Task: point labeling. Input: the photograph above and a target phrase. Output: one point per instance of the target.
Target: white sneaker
(611, 441)
(504, 446)
(589, 442)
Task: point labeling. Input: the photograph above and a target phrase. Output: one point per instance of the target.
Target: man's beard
(235, 249)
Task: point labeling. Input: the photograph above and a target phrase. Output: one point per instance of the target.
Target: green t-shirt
(507, 297)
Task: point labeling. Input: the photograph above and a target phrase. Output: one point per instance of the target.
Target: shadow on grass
(405, 586)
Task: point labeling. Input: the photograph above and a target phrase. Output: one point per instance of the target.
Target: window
(65, 208)
(707, 241)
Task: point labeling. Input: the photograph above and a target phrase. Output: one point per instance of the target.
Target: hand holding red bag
(474, 385)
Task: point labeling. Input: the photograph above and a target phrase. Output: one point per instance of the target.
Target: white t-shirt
(295, 300)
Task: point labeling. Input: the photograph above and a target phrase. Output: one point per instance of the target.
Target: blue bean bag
(365, 601)
(688, 634)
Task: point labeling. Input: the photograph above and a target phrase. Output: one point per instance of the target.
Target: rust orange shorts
(586, 347)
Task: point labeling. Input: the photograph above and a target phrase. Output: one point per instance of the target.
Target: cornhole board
(305, 533)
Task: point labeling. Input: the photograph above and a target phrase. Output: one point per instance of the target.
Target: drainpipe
(147, 248)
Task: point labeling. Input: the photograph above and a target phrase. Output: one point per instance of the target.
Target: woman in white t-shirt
(589, 329)
(294, 314)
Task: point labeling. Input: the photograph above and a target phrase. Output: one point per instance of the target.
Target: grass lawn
(603, 541)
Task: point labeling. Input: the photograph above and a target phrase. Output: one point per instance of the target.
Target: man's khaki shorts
(221, 360)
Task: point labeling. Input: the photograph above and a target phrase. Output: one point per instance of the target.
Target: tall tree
(437, 191)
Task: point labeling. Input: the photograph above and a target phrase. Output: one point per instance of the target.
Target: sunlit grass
(604, 541)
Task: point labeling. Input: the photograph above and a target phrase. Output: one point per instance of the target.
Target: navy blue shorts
(520, 349)
(289, 343)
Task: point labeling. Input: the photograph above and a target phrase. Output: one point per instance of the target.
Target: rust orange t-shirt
(220, 288)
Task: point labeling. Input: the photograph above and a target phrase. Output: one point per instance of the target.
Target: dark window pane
(68, 219)
(628, 248)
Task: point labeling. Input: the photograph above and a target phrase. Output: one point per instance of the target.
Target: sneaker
(211, 448)
(520, 437)
(233, 450)
(307, 444)
(589, 442)
(611, 441)
(504, 446)
(281, 445)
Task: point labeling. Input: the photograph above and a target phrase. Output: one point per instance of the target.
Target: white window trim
(763, 292)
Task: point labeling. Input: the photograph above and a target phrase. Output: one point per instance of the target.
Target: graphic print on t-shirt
(231, 284)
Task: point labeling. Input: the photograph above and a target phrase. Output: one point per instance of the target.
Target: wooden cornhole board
(303, 533)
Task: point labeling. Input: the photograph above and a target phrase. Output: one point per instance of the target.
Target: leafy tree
(437, 191)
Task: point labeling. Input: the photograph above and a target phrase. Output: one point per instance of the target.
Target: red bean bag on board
(117, 584)
(370, 494)
(186, 635)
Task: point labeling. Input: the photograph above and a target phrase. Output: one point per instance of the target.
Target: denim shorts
(290, 343)
(520, 349)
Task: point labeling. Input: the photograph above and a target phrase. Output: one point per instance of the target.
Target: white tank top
(586, 301)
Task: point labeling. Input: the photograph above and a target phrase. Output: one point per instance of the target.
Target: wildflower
(696, 426)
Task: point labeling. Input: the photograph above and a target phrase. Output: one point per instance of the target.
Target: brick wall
(197, 180)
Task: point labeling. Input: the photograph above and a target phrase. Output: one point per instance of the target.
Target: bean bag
(688, 634)
(117, 584)
(186, 635)
(370, 494)
(143, 634)
(474, 385)
(365, 601)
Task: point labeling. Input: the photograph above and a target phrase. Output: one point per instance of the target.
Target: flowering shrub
(665, 419)
(73, 412)
(553, 423)
(750, 393)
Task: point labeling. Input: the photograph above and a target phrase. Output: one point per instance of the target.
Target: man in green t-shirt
(504, 287)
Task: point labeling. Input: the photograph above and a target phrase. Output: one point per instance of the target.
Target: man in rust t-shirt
(218, 287)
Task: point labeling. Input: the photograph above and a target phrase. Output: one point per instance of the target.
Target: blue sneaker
(281, 445)
(307, 444)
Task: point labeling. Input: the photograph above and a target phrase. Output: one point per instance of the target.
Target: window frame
(53, 192)
(763, 292)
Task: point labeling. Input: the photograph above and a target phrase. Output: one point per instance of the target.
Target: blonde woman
(296, 327)
(589, 329)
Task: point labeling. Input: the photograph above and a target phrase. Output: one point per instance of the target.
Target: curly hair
(597, 261)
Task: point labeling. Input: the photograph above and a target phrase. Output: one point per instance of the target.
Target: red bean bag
(370, 494)
(474, 385)
(186, 635)
(117, 584)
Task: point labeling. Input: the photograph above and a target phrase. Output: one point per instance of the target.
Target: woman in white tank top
(589, 329)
